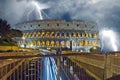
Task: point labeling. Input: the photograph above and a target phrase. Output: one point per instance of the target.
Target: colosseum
(76, 35)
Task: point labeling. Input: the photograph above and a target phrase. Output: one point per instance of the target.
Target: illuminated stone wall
(59, 33)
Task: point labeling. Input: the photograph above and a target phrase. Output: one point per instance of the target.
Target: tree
(7, 33)
(4, 28)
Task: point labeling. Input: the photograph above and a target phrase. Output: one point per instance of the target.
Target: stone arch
(77, 34)
(52, 34)
(95, 35)
(72, 34)
(38, 43)
(62, 34)
(30, 34)
(42, 43)
(42, 34)
(62, 43)
(95, 49)
(67, 43)
(52, 43)
(90, 34)
(47, 43)
(38, 34)
(58, 34)
(83, 34)
(81, 43)
(86, 43)
(67, 34)
(93, 43)
(73, 43)
(57, 43)
(86, 35)
(90, 43)
(26, 35)
(34, 34)
(47, 34)
(31, 44)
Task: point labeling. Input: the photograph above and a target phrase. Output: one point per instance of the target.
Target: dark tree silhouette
(7, 33)
(4, 28)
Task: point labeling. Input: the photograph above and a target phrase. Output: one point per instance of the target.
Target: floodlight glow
(109, 34)
(23, 38)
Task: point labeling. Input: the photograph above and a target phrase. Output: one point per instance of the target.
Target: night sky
(106, 13)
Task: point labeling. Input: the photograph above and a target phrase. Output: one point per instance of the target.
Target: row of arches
(60, 34)
(60, 43)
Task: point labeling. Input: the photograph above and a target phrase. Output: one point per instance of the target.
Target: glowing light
(94, 48)
(31, 45)
(23, 38)
(109, 34)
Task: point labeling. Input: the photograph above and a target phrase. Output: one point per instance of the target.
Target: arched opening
(58, 34)
(67, 34)
(38, 43)
(86, 43)
(68, 43)
(52, 34)
(34, 34)
(62, 43)
(31, 44)
(38, 35)
(90, 43)
(81, 43)
(90, 34)
(57, 43)
(93, 43)
(77, 34)
(72, 34)
(52, 43)
(95, 49)
(96, 35)
(62, 34)
(83, 35)
(80, 34)
(24, 34)
(43, 34)
(34, 43)
(30, 34)
(86, 34)
(43, 43)
(47, 43)
(47, 34)
(73, 43)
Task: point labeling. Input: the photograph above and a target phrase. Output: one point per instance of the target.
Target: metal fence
(70, 66)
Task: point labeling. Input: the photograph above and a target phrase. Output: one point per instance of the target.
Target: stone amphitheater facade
(76, 34)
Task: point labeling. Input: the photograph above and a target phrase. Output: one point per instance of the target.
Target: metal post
(58, 70)
(18, 72)
(25, 70)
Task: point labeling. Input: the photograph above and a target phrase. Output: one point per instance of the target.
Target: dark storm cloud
(104, 12)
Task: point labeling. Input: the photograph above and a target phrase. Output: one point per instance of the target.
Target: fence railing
(80, 65)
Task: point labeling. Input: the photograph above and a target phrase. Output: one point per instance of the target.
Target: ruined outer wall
(57, 25)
